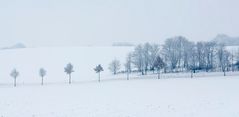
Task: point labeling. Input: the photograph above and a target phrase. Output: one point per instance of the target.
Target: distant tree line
(178, 54)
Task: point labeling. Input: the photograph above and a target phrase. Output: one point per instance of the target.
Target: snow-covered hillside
(175, 95)
(28, 62)
(184, 97)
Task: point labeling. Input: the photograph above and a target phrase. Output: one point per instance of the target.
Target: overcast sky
(98, 22)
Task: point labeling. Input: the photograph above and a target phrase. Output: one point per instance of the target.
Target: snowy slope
(28, 62)
(175, 95)
(185, 97)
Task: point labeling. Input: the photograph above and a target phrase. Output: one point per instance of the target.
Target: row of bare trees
(182, 55)
(178, 54)
(42, 73)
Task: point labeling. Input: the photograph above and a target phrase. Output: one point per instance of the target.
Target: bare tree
(173, 51)
(143, 57)
(209, 50)
(98, 69)
(128, 63)
(226, 61)
(146, 57)
(232, 61)
(69, 69)
(182, 45)
(223, 58)
(192, 59)
(14, 74)
(114, 66)
(42, 73)
(159, 64)
(138, 58)
(200, 55)
(154, 51)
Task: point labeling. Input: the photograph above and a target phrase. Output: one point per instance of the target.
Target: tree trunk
(142, 71)
(69, 78)
(224, 72)
(191, 74)
(127, 75)
(145, 71)
(158, 74)
(99, 77)
(15, 82)
(41, 80)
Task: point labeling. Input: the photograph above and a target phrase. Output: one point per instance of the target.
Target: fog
(102, 22)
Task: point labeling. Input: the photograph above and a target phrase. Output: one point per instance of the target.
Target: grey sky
(91, 22)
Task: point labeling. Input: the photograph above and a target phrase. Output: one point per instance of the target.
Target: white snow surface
(177, 97)
(174, 95)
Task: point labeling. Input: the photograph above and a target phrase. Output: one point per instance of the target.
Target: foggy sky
(101, 22)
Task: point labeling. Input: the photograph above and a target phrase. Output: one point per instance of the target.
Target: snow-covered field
(184, 97)
(175, 95)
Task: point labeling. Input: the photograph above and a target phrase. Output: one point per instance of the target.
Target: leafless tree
(138, 58)
(209, 50)
(14, 74)
(98, 69)
(192, 58)
(42, 74)
(223, 58)
(200, 55)
(154, 52)
(114, 66)
(170, 53)
(175, 51)
(69, 70)
(158, 64)
(128, 66)
(146, 57)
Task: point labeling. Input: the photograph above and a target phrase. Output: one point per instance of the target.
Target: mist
(93, 22)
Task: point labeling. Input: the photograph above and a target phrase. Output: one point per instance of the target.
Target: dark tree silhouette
(14, 74)
(158, 64)
(42, 73)
(98, 69)
(69, 70)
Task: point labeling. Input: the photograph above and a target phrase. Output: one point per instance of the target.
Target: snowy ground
(181, 97)
(175, 95)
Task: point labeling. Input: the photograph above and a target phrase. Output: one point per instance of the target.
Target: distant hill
(227, 40)
(16, 46)
(122, 44)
